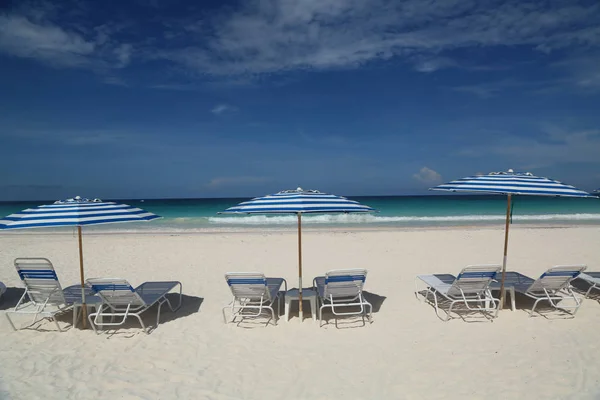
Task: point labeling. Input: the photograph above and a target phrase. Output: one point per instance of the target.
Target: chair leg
(321, 315)
(272, 316)
(56, 323)
(224, 316)
(91, 319)
(450, 309)
(534, 306)
(180, 299)
(437, 308)
(158, 312)
(370, 312)
(141, 323)
(594, 286)
(10, 321)
(35, 318)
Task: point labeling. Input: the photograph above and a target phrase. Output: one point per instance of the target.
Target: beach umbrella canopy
(511, 183)
(298, 202)
(78, 212)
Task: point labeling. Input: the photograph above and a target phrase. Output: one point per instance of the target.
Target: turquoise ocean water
(393, 212)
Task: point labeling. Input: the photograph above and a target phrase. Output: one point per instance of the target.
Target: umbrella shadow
(357, 320)
(11, 297)
(131, 327)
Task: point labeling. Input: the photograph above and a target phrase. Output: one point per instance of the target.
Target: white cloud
(270, 36)
(123, 53)
(266, 36)
(48, 42)
(222, 108)
(428, 176)
(432, 64)
(583, 72)
(39, 38)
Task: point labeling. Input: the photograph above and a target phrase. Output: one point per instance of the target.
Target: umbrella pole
(505, 251)
(83, 307)
(300, 313)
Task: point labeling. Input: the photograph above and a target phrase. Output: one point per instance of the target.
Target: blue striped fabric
(345, 278)
(75, 212)
(512, 183)
(561, 273)
(299, 201)
(37, 274)
(112, 287)
(477, 275)
(246, 282)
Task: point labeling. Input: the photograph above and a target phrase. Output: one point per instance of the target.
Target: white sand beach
(406, 353)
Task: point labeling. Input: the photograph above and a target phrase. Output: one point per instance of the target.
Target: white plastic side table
(307, 294)
(73, 296)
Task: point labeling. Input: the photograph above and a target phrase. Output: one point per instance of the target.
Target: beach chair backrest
(248, 285)
(342, 283)
(556, 278)
(40, 280)
(474, 279)
(116, 292)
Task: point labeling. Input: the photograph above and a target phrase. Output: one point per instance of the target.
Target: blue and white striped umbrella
(76, 212)
(298, 202)
(511, 183)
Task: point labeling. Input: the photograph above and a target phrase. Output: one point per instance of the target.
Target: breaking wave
(375, 219)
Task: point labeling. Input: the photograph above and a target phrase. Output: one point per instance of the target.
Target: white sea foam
(375, 219)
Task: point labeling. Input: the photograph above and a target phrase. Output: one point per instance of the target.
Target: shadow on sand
(189, 305)
(543, 308)
(131, 327)
(581, 287)
(352, 321)
(459, 310)
(11, 297)
(522, 303)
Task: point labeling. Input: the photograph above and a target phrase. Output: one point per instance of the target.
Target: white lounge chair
(593, 278)
(46, 298)
(342, 291)
(120, 299)
(253, 294)
(470, 287)
(553, 286)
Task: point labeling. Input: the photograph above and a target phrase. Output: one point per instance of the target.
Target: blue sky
(173, 98)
